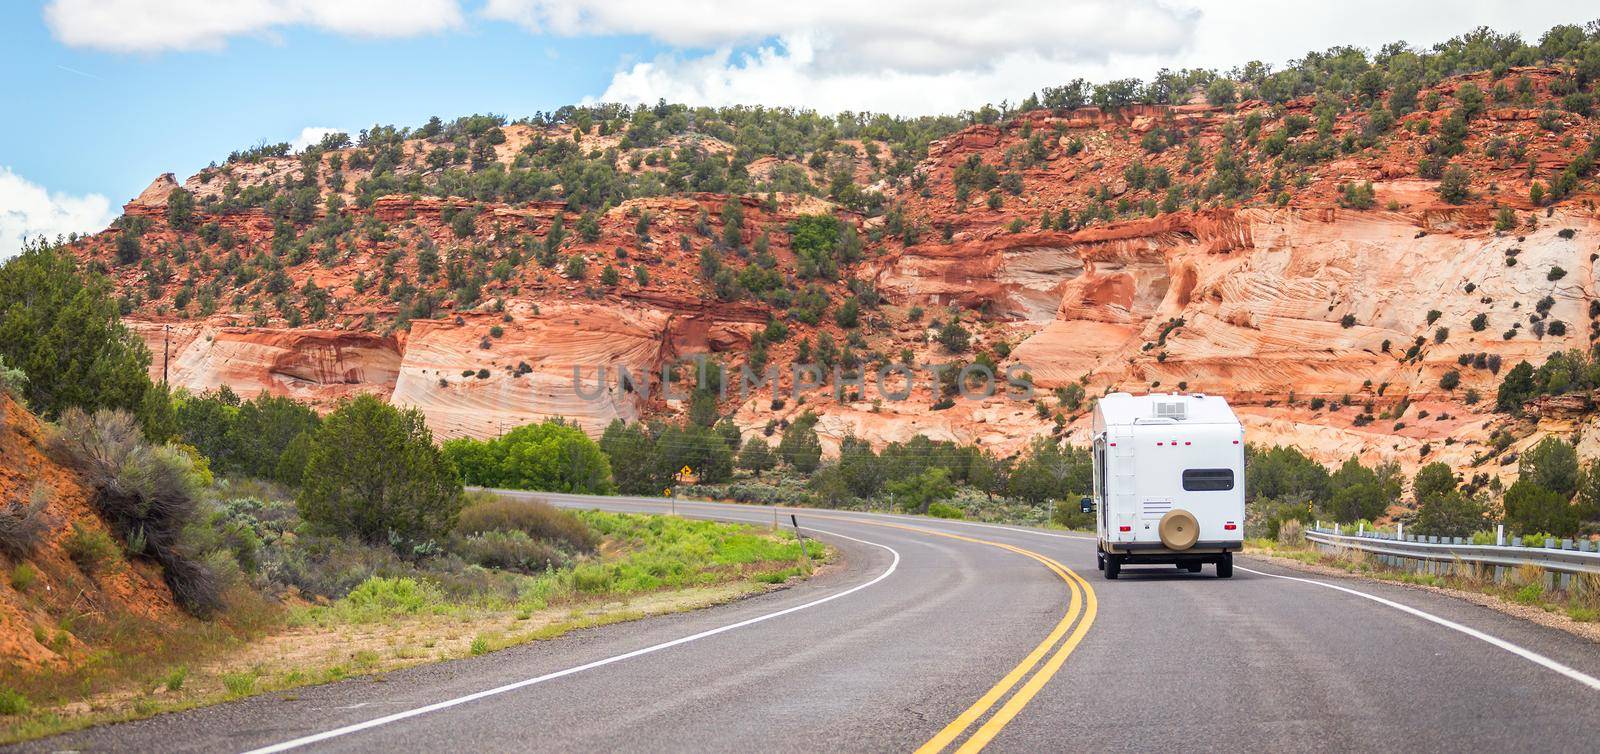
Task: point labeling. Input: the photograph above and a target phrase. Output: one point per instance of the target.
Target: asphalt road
(958, 635)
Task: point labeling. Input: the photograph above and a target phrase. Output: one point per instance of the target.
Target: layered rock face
(1273, 305)
(311, 365)
(476, 376)
(1114, 257)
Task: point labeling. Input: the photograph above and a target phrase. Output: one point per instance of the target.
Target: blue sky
(104, 95)
(108, 122)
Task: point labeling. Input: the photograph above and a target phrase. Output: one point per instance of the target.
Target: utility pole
(166, 352)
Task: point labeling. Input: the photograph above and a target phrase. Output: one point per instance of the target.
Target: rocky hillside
(1355, 258)
(70, 591)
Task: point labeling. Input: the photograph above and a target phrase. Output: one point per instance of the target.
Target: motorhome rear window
(1206, 480)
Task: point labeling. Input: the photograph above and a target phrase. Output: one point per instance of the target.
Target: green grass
(242, 683)
(91, 549)
(779, 576)
(175, 677)
(642, 554)
(23, 576)
(13, 703)
(665, 552)
(1534, 594)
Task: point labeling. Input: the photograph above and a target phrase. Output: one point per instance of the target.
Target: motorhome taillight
(1125, 528)
(1230, 526)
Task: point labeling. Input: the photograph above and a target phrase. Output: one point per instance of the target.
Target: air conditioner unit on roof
(1176, 410)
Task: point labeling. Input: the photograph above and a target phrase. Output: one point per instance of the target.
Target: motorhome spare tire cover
(1179, 529)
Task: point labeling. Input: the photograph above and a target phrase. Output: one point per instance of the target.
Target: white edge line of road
(386, 719)
(1526, 654)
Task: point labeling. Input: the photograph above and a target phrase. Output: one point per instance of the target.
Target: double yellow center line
(1081, 609)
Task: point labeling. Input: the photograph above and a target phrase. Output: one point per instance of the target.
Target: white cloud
(935, 56)
(787, 73)
(312, 135)
(160, 25)
(919, 36)
(27, 210)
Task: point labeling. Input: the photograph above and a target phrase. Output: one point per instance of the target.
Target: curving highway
(957, 636)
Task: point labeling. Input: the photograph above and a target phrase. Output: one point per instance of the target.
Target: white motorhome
(1168, 482)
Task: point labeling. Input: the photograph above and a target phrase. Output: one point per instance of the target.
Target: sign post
(683, 477)
(801, 536)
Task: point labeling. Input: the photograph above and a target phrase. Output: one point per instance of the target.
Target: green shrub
(23, 576)
(591, 578)
(175, 677)
(13, 382)
(511, 550)
(1069, 514)
(379, 597)
(373, 472)
(1266, 516)
(23, 524)
(1537, 538)
(332, 567)
(944, 510)
(552, 456)
(92, 550)
(799, 447)
(1455, 185)
(537, 519)
(241, 683)
(917, 494)
(148, 494)
(68, 338)
(13, 703)
(1291, 532)
(777, 577)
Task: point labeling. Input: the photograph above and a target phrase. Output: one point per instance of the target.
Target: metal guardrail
(1570, 561)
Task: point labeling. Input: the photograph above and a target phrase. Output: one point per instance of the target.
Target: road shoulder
(1589, 631)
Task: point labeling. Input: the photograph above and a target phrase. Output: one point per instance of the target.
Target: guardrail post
(1500, 535)
(1400, 530)
(1336, 528)
(1361, 529)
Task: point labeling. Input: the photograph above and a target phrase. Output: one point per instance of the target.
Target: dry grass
(145, 667)
(486, 512)
(317, 654)
(1524, 594)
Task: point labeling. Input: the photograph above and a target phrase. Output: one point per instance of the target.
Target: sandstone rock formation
(1330, 325)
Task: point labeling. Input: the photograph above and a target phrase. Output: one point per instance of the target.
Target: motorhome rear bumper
(1156, 549)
